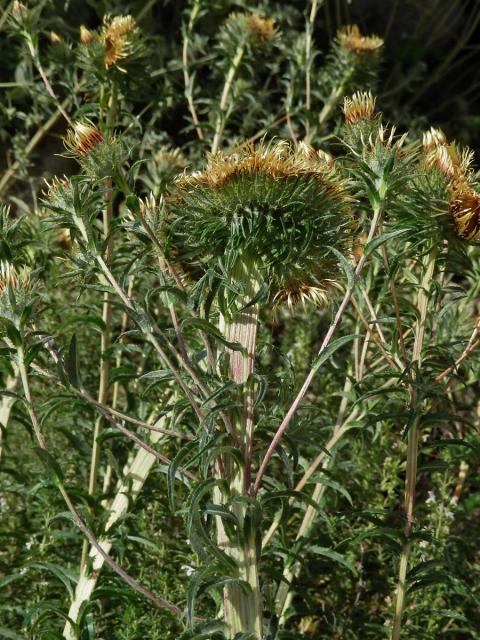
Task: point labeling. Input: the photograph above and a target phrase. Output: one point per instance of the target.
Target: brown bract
(116, 35)
(279, 160)
(352, 39)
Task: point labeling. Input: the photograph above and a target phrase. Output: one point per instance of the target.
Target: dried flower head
(465, 211)
(350, 38)
(117, 35)
(262, 28)
(282, 208)
(83, 138)
(361, 106)
(86, 36)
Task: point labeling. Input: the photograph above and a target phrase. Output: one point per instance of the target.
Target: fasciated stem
(242, 610)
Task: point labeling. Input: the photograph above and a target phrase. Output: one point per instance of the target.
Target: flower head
(15, 290)
(282, 208)
(351, 39)
(261, 28)
(361, 106)
(83, 138)
(117, 34)
(465, 211)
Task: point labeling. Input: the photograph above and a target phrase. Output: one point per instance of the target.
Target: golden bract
(352, 39)
(275, 160)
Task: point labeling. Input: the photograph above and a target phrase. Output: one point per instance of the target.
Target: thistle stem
(222, 116)
(188, 80)
(242, 611)
(412, 444)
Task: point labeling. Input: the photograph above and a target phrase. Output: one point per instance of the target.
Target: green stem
(242, 610)
(106, 337)
(222, 116)
(412, 444)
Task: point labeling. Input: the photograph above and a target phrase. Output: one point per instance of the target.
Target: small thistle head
(261, 29)
(281, 208)
(351, 39)
(55, 38)
(249, 29)
(15, 293)
(86, 36)
(465, 211)
(83, 138)
(361, 106)
(117, 35)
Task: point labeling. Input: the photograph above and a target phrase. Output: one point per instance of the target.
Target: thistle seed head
(351, 39)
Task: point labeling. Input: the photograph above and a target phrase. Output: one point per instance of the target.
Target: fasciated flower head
(361, 106)
(118, 35)
(281, 208)
(83, 138)
(351, 39)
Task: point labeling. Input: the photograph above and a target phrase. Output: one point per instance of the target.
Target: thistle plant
(265, 225)
(239, 338)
